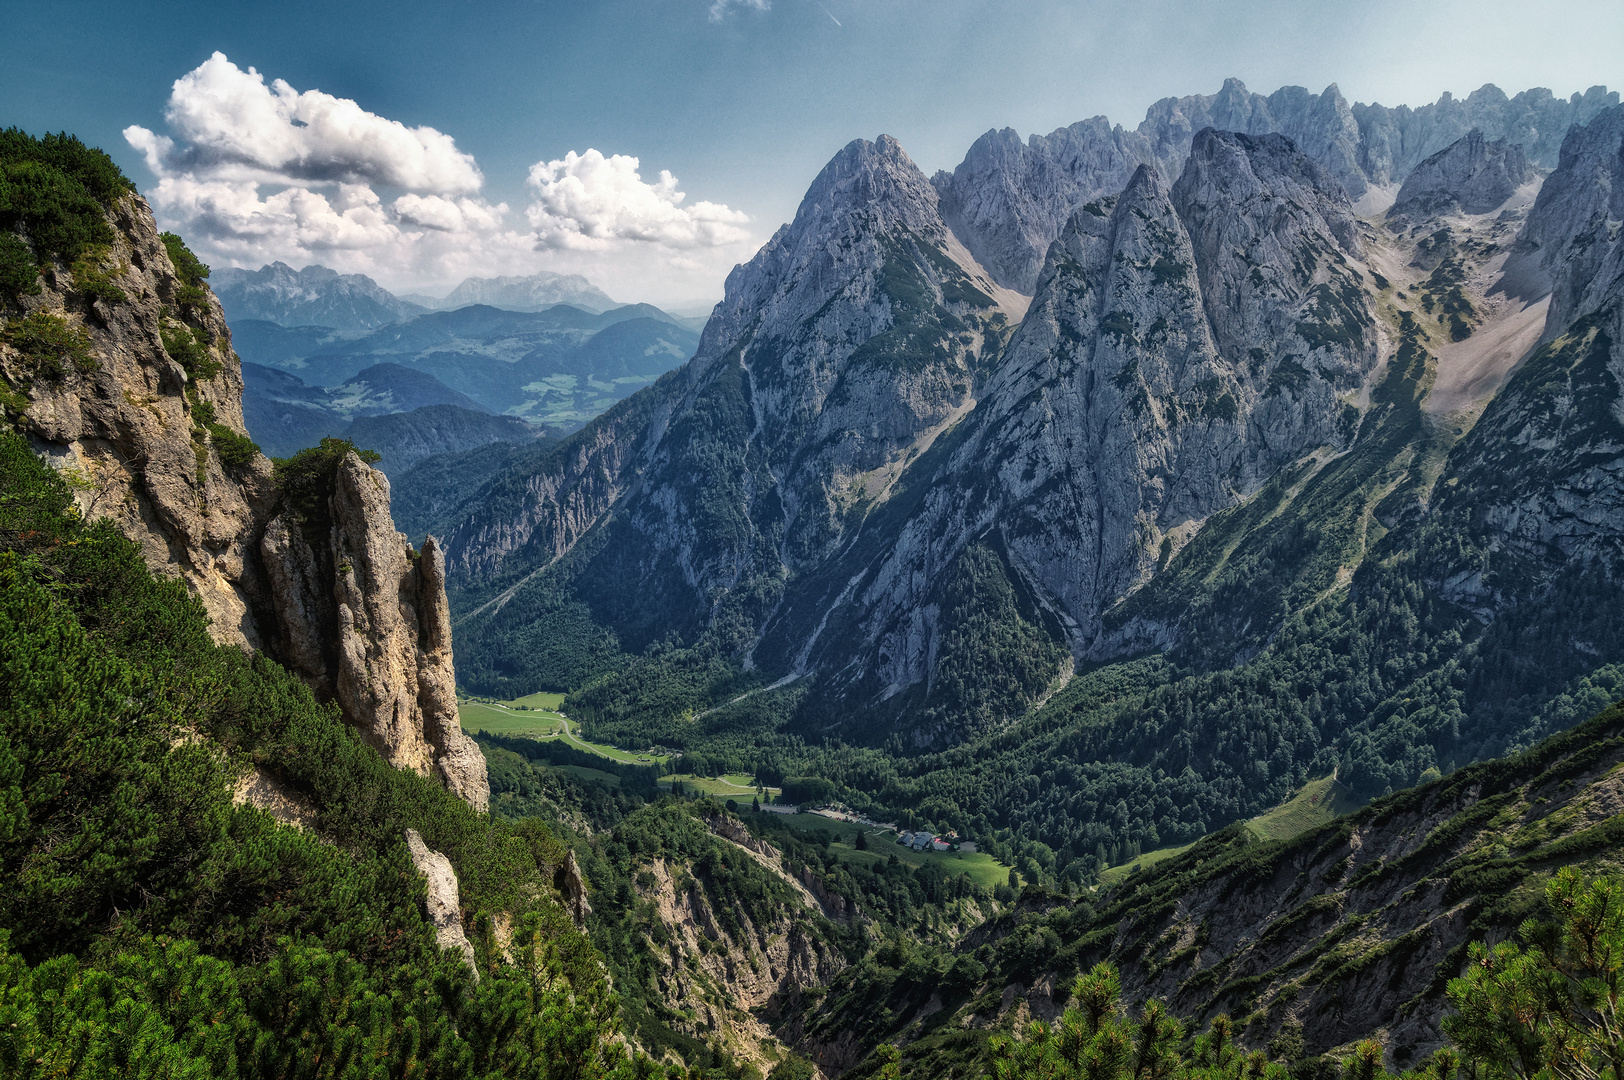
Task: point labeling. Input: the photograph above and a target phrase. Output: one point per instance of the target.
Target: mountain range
(535, 292)
(354, 303)
(322, 348)
(896, 501)
(1245, 586)
(1103, 493)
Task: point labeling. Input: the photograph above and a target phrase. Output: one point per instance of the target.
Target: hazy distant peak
(315, 296)
(530, 293)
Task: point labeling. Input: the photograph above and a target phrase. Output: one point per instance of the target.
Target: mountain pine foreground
(1217, 524)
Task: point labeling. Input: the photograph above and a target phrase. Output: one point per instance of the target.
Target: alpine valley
(1143, 604)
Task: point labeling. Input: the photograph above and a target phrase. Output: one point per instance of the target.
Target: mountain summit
(535, 292)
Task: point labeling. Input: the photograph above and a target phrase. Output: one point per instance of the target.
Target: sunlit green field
(736, 786)
(549, 702)
(1316, 803)
(982, 868)
(536, 716)
(504, 718)
(581, 772)
(501, 720)
(1143, 862)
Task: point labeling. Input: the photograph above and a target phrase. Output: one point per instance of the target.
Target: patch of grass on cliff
(1117, 874)
(50, 346)
(191, 270)
(188, 346)
(1317, 803)
(306, 481)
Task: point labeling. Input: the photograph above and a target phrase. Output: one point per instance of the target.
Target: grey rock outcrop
(134, 428)
(368, 624)
(571, 887)
(1007, 201)
(442, 901)
(1471, 176)
(130, 431)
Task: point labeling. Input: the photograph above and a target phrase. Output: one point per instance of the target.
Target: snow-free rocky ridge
(866, 478)
(354, 611)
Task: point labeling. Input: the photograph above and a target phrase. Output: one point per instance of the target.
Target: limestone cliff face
(1181, 349)
(442, 899)
(1007, 201)
(1471, 176)
(1573, 229)
(354, 614)
(731, 974)
(1541, 469)
(131, 432)
(364, 621)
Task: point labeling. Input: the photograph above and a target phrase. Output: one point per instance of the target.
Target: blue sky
(741, 101)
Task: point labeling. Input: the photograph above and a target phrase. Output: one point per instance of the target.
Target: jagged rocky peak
(1276, 246)
(314, 296)
(367, 622)
(1395, 140)
(860, 327)
(1322, 124)
(1114, 417)
(1007, 200)
(1184, 344)
(151, 425)
(1471, 176)
(1573, 228)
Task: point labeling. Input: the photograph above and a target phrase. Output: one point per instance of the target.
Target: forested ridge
(152, 922)
(150, 925)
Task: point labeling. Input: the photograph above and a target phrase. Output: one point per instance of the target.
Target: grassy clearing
(498, 720)
(736, 786)
(613, 753)
(536, 716)
(1318, 802)
(546, 702)
(581, 772)
(1143, 862)
(982, 868)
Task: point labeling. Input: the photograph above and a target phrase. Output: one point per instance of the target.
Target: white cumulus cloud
(252, 171)
(589, 201)
(225, 119)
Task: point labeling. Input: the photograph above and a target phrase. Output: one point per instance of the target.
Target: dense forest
(151, 926)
